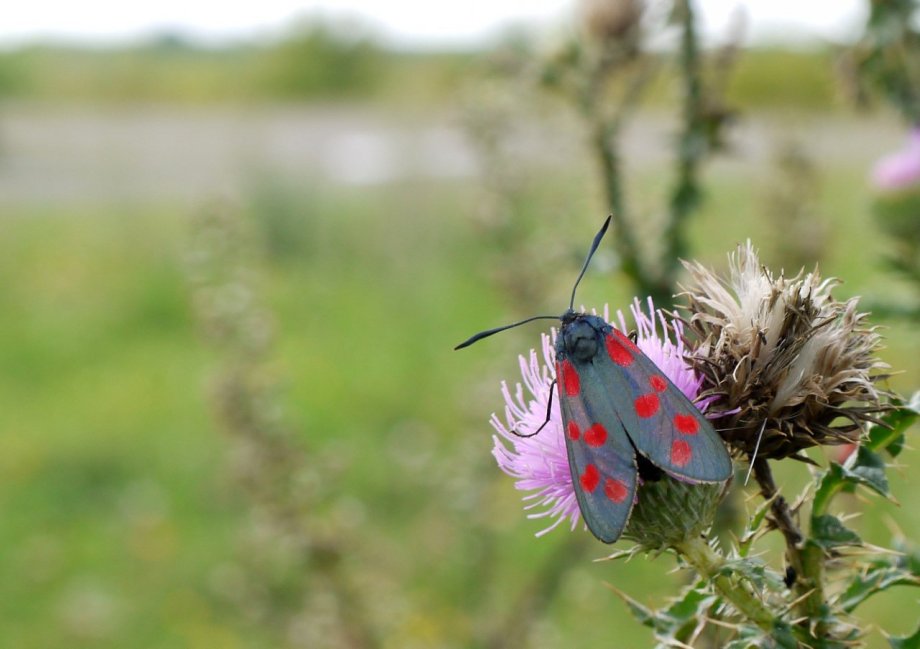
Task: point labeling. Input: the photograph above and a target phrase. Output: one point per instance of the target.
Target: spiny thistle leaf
(896, 445)
(868, 469)
(911, 641)
(751, 637)
(784, 638)
(877, 577)
(643, 614)
(913, 405)
(748, 638)
(756, 572)
(754, 527)
(909, 557)
(681, 619)
(828, 532)
(890, 435)
(830, 482)
(694, 601)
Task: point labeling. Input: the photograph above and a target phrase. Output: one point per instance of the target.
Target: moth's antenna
(594, 245)
(486, 334)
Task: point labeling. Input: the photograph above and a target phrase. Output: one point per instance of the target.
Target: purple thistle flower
(540, 463)
(899, 170)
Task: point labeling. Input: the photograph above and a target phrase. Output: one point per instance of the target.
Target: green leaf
(876, 578)
(830, 482)
(865, 467)
(680, 619)
(890, 435)
(687, 611)
(756, 572)
(911, 641)
(694, 601)
(869, 469)
(783, 637)
(753, 527)
(644, 615)
(913, 404)
(896, 445)
(828, 532)
(909, 557)
(749, 637)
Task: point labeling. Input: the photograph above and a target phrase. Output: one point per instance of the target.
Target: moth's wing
(661, 421)
(601, 459)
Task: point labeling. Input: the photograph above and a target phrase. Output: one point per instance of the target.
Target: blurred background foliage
(320, 60)
(347, 212)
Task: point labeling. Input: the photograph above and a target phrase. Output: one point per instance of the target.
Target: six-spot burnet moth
(620, 410)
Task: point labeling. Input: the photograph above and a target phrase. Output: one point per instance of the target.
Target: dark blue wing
(660, 420)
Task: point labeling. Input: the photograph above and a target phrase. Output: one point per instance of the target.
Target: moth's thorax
(581, 335)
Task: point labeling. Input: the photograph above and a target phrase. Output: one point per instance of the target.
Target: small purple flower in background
(896, 205)
(540, 463)
(900, 170)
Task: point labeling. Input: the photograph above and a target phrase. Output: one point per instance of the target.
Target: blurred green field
(120, 522)
(124, 521)
(319, 61)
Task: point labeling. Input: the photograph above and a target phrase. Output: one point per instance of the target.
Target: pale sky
(402, 22)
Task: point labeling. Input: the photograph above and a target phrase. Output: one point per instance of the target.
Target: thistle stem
(692, 146)
(711, 565)
(605, 136)
(805, 558)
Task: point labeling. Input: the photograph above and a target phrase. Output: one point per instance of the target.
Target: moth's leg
(549, 408)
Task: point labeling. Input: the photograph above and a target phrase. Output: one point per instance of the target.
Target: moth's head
(579, 338)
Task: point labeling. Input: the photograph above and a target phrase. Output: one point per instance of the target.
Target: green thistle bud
(670, 512)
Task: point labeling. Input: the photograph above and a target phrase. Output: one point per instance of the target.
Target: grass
(316, 61)
(120, 524)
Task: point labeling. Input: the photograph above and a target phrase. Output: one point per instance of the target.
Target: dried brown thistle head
(610, 20)
(790, 366)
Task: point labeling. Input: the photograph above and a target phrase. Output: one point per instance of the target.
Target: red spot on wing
(615, 490)
(647, 405)
(658, 383)
(590, 478)
(680, 452)
(574, 433)
(686, 424)
(596, 435)
(618, 352)
(624, 339)
(568, 378)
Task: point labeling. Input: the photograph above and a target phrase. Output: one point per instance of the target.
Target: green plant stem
(605, 137)
(656, 280)
(691, 148)
(807, 559)
(711, 565)
(605, 140)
